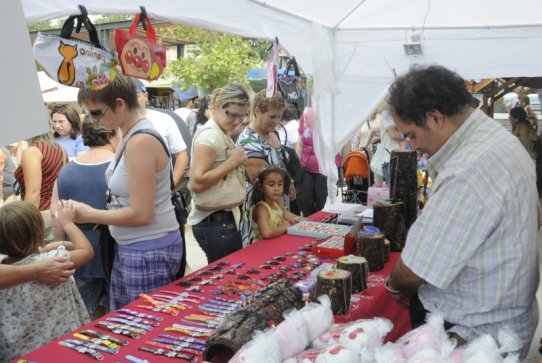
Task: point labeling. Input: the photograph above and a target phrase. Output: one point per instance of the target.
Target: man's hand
(54, 271)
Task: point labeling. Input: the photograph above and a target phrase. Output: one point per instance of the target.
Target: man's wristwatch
(390, 289)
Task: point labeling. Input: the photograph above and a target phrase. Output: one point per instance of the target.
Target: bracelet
(390, 289)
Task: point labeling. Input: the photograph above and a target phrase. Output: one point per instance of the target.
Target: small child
(33, 313)
(271, 217)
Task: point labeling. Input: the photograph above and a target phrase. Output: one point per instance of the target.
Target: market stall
(225, 283)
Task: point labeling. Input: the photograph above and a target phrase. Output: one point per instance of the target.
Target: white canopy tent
(54, 92)
(354, 48)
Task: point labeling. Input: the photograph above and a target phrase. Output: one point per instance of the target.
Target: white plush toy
(291, 334)
(318, 317)
(337, 353)
(263, 348)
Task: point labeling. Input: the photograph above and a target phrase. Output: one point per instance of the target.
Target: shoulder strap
(159, 138)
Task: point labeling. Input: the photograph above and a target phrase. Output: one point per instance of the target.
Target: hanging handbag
(74, 62)
(140, 57)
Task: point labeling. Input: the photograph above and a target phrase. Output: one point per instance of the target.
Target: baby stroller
(357, 175)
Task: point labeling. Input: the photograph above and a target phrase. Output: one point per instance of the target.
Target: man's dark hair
(425, 89)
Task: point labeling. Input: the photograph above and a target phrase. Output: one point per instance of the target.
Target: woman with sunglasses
(140, 215)
(217, 179)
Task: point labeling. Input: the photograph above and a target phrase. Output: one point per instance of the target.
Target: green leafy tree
(215, 59)
(45, 25)
(111, 19)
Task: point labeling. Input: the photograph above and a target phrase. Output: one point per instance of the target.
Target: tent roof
(353, 49)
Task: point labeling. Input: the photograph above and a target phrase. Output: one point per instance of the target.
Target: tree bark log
(337, 284)
(372, 248)
(389, 217)
(358, 267)
(237, 328)
(404, 184)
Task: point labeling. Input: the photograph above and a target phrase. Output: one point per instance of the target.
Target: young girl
(270, 216)
(33, 313)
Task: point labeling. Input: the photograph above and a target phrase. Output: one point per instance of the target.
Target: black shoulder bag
(293, 165)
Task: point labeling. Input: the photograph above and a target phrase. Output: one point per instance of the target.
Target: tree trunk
(267, 308)
(372, 248)
(389, 217)
(337, 284)
(358, 267)
(404, 184)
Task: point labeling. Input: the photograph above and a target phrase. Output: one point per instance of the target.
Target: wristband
(390, 289)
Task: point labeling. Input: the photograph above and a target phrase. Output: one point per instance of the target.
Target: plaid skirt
(136, 271)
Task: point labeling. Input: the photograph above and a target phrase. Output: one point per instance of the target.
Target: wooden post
(337, 284)
(389, 217)
(404, 183)
(358, 267)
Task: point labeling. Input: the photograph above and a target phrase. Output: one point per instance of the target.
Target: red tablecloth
(373, 302)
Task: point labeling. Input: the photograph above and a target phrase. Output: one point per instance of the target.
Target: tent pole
(348, 14)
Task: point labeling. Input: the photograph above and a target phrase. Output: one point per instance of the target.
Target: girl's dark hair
(201, 119)
(21, 229)
(73, 118)
(257, 189)
(96, 135)
(520, 114)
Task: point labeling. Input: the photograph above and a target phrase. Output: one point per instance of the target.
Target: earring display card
(318, 230)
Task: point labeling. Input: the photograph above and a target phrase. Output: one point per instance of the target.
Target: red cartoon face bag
(140, 57)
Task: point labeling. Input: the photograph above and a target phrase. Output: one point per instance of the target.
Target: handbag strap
(82, 19)
(146, 23)
(159, 138)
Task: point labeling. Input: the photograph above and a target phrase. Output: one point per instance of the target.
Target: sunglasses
(98, 114)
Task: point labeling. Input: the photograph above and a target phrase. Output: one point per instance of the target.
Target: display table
(212, 282)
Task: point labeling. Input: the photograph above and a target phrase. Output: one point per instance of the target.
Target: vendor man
(472, 255)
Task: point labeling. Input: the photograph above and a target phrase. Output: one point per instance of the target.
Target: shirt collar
(437, 162)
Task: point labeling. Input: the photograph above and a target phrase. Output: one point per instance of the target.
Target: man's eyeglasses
(98, 114)
(409, 136)
(233, 116)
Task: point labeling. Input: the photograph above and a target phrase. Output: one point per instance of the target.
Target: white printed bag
(74, 62)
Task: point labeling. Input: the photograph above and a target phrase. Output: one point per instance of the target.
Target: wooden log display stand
(337, 284)
(236, 330)
(404, 183)
(358, 267)
(389, 217)
(387, 250)
(372, 247)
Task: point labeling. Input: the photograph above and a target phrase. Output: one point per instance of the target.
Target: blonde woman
(263, 148)
(217, 175)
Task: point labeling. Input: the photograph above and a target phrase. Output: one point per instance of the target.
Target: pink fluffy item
(430, 335)
(263, 348)
(308, 356)
(337, 353)
(317, 317)
(291, 334)
(366, 334)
